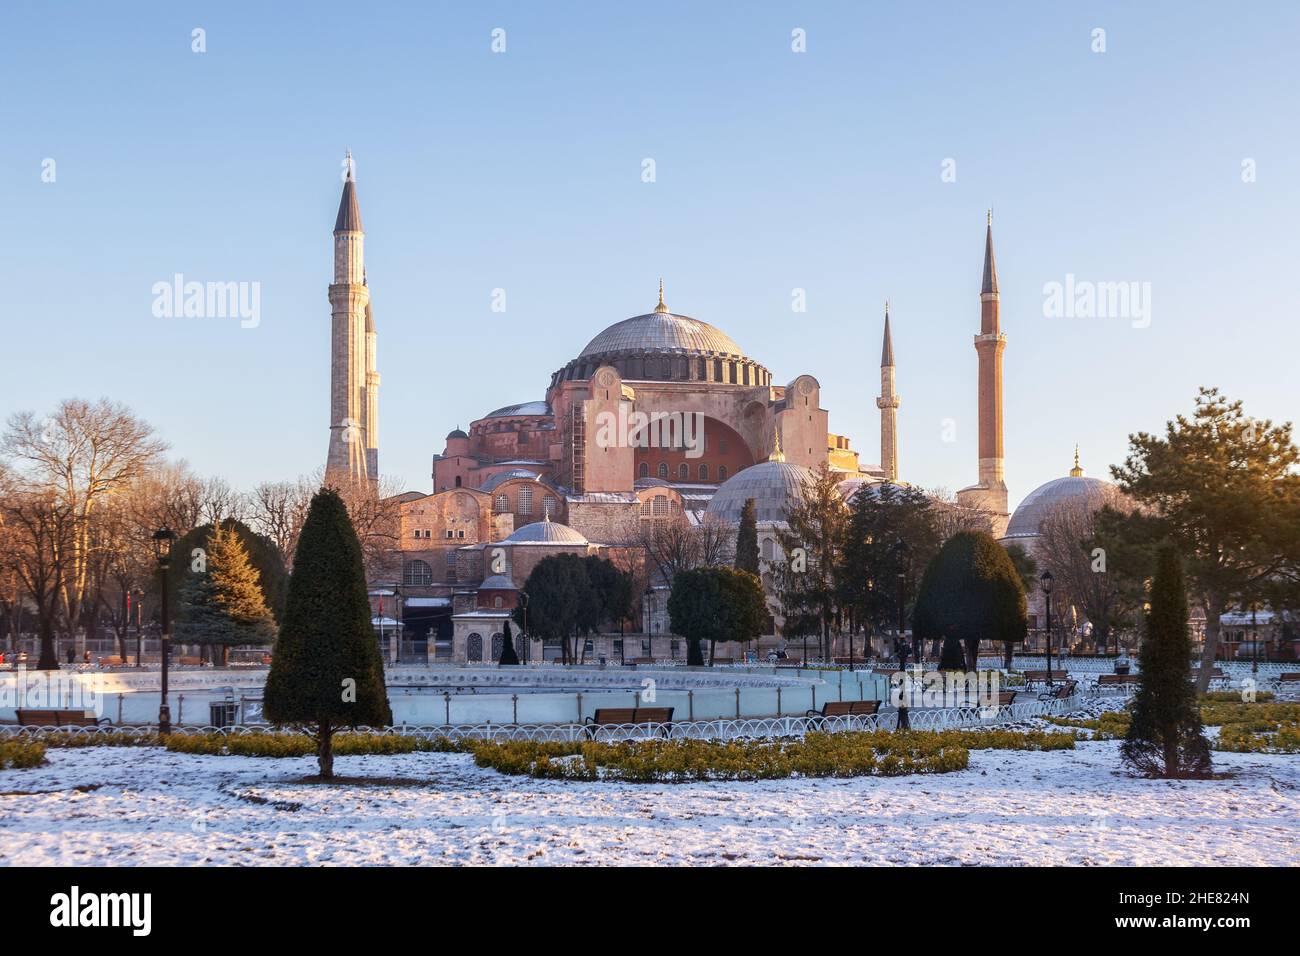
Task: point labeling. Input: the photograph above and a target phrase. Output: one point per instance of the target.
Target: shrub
(21, 754)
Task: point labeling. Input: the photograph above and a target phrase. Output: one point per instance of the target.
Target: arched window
(683, 471)
(417, 574)
(660, 505)
(645, 469)
(663, 469)
(458, 481)
(766, 549)
(474, 648)
(502, 503)
(451, 566)
(548, 505)
(722, 473)
(498, 645)
(525, 501)
(645, 507)
(704, 472)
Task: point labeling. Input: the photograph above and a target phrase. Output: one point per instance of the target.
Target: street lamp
(139, 626)
(162, 549)
(1046, 581)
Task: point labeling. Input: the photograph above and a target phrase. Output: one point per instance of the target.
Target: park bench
(190, 661)
(1060, 691)
(620, 716)
(58, 718)
(844, 708)
(1116, 680)
(111, 661)
(642, 660)
(724, 660)
(1040, 677)
(1289, 677)
(789, 662)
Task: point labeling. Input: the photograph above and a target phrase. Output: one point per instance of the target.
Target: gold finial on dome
(777, 453)
(1076, 471)
(661, 307)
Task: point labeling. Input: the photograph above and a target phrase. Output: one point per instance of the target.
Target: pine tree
(221, 600)
(747, 539)
(327, 671)
(1165, 737)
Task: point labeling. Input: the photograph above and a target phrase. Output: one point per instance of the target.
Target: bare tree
(1067, 546)
(82, 455)
(277, 510)
(37, 545)
(951, 517)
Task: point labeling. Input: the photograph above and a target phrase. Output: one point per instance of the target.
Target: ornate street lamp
(162, 549)
(527, 641)
(1046, 581)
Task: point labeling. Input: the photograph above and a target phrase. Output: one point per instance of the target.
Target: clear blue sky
(775, 170)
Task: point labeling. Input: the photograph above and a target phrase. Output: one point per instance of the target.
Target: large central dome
(662, 346)
(663, 331)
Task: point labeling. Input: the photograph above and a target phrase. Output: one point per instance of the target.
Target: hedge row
(20, 754)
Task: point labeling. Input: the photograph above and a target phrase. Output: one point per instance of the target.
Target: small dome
(456, 433)
(497, 582)
(1038, 504)
(774, 486)
(490, 484)
(546, 532)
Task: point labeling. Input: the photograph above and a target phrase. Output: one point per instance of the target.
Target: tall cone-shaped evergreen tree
(1165, 737)
(221, 599)
(508, 653)
(747, 539)
(327, 671)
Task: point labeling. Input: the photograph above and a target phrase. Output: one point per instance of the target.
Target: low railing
(754, 728)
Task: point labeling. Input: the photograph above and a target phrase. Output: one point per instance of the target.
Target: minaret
(349, 306)
(990, 492)
(372, 399)
(888, 405)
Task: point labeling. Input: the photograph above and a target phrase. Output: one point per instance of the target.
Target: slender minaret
(888, 405)
(349, 306)
(372, 399)
(990, 492)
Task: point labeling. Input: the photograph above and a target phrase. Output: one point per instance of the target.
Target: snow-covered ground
(110, 806)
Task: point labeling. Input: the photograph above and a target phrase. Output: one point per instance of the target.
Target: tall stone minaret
(349, 306)
(888, 405)
(990, 492)
(371, 423)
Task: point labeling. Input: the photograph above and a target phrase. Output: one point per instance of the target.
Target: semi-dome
(546, 531)
(774, 486)
(1039, 503)
(524, 408)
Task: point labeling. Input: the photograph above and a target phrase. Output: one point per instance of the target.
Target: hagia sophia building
(660, 416)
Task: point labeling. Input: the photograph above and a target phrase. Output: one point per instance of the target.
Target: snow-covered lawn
(111, 806)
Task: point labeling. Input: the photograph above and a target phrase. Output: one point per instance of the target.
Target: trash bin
(223, 713)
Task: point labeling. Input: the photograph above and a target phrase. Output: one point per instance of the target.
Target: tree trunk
(49, 659)
(1214, 607)
(713, 650)
(325, 750)
(1007, 650)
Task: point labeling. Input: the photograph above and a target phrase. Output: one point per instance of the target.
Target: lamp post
(1254, 641)
(1046, 581)
(162, 549)
(139, 625)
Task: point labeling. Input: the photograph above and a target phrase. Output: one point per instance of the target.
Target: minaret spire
(353, 404)
(989, 493)
(777, 453)
(1076, 471)
(888, 404)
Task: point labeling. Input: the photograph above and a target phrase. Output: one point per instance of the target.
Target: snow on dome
(546, 532)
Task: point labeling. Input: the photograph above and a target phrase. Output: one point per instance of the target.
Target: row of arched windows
(683, 471)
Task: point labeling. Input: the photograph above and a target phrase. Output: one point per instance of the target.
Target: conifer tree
(221, 601)
(747, 539)
(1164, 737)
(327, 671)
(508, 655)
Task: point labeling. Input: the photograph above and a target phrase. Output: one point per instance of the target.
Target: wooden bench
(110, 661)
(1116, 680)
(1040, 677)
(619, 716)
(844, 708)
(58, 718)
(1289, 677)
(190, 661)
(1060, 691)
(642, 660)
(789, 662)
